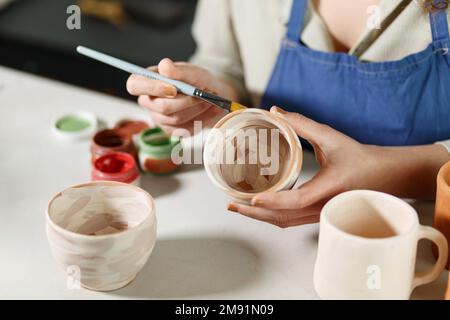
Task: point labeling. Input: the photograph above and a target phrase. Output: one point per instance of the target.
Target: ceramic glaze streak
(249, 177)
(108, 229)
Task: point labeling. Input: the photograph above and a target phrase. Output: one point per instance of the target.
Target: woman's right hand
(171, 110)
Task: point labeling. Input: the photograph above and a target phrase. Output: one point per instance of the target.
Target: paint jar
(252, 151)
(76, 126)
(442, 207)
(119, 167)
(111, 141)
(155, 151)
(134, 126)
(103, 232)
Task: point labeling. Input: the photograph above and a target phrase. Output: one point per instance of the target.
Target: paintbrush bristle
(236, 106)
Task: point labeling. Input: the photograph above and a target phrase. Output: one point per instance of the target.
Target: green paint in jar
(155, 151)
(72, 124)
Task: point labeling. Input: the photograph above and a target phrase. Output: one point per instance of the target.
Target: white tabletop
(202, 251)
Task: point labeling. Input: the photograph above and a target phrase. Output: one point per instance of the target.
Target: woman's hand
(346, 165)
(171, 110)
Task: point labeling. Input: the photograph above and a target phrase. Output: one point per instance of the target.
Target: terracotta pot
(442, 207)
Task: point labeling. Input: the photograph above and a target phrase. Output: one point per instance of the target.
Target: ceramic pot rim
(290, 136)
(324, 216)
(442, 176)
(149, 199)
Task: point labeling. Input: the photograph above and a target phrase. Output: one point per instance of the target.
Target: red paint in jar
(118, 167)
(111, 141)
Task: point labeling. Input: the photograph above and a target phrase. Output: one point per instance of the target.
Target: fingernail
(257, 202)
(233, 208)
(170, 92)
(278, 110)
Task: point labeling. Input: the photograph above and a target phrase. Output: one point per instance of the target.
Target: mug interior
(100, 208)
(248, 177)
(370, 214)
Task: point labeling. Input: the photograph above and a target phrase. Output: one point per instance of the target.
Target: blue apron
(396, 103)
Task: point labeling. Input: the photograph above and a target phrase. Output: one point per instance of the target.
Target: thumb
(319, 189)
(316, 133)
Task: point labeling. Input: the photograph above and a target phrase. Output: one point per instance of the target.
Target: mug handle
(438, 238)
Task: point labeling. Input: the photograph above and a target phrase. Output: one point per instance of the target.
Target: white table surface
(202, 251)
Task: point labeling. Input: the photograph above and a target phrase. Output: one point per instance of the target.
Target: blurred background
(34, 37)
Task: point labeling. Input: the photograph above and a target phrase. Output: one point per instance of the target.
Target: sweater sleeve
(445, 144)
(217, 48)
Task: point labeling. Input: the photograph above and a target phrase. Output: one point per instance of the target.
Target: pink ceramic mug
(106, 230)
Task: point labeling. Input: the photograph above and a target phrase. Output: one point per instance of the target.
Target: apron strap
(297, 19)
(439, 24)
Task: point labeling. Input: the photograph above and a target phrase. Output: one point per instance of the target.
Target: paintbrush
(182, 87)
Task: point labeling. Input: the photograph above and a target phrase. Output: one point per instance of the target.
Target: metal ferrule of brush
(213, 99)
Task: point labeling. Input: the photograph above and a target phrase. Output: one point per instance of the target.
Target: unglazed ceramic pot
(106, 229)
(442, 209)
(447, 292)
(241, 181)
(368, 247)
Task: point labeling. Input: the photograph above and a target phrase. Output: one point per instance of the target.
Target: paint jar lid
(76, 126)
(156, 141)
(134, 125)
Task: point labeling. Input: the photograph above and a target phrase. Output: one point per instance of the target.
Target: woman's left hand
(344, 163)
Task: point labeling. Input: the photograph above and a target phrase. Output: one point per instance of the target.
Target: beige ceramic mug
(101, 233)
(266, 154)
(368, 246)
